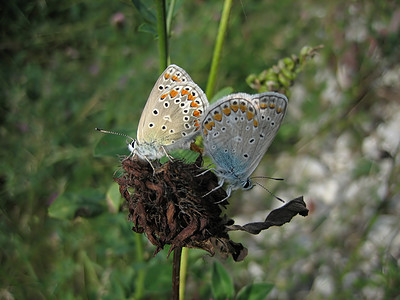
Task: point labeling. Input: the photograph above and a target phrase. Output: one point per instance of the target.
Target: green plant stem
(170, 14)
(209, 92)
(176, 273)
(162, 35)
(184, 264)
(223, 25)
(141, 272)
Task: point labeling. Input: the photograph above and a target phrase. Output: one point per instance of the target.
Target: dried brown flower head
(169, 206)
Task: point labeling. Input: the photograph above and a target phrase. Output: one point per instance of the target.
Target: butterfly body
(237, 131)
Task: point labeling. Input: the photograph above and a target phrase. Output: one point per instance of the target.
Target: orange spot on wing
(184, 92)
(272, 105)
(175, 78)
(196, 113)
(227, 111)
(196, 124)
(166, 76)
(255, 123)
(163, 96)
(243, 108)
(191, 97)
(194, 104)
(263, 105)
(235, 107)
(209, 125)
(250, 115)
(173, 93)
(279, 110)
(217, 117)
(205, 131)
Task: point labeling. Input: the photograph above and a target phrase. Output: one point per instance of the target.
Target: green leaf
(255, 291)
(222, 93)
(114, 199)
(148, 28)
(186, 155)
(221, 283)
(146, 9)
(85, 203)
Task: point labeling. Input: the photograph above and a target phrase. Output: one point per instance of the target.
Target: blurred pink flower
(118, 20)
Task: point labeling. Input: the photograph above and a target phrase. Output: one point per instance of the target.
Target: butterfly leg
(221, 183)
(151, 165)
(167, 154)
(206, 171)
(228, 194)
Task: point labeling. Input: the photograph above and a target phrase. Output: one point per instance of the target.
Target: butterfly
(237, 131)
(171, 116)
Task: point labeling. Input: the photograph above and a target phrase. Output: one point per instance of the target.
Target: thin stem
(209, 92)
(162, 35)
(141, 272)
(170, 14)
(184, 264)
(176, 273)
(223, 25)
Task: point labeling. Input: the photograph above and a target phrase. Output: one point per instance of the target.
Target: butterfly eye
(247, 185)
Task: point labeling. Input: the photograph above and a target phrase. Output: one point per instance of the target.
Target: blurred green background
(70, 66)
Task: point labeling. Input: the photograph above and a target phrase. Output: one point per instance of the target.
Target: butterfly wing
(271, 108)
(173, 109)
(230, 132)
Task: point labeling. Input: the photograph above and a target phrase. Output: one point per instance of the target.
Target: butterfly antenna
(113, 132)
(267, 177)
(271, 193)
